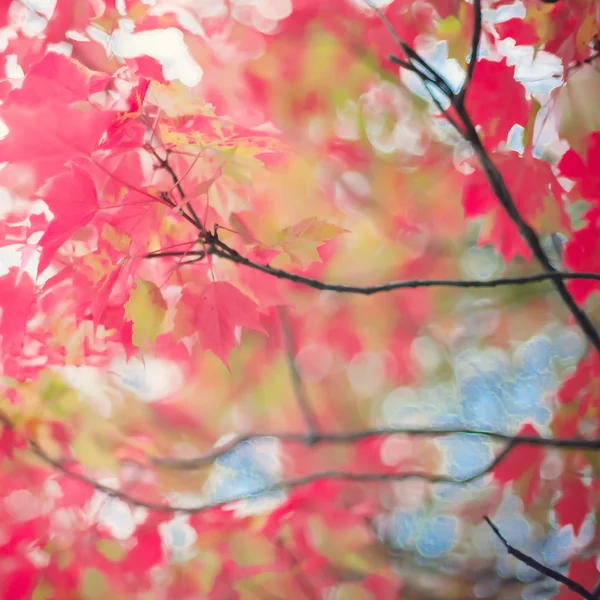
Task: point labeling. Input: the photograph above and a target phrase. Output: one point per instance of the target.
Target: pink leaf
(214, 313)
(17, 296)
(72, 197)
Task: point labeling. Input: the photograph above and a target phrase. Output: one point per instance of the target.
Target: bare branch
(578, 64)
(163, 163)
(498, 184)
(413, 57)
(348, 437)
(596, 591)
(299, 392)
(179, 254)
(232, 255)
(294, 482)
(539, 567)
(505, 198)
(475, 41)
(492, 172)
(285, 484)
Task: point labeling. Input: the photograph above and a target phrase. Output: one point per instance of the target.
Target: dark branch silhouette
(163, 163)
(539, 567)
(493, 175)
(228, 253)
(299, 391)
(475, 41)
(349, 437)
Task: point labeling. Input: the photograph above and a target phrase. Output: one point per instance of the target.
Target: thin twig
(285, 484)
(411, 54)
(587, 61)
(596, 591)
(297, 383)
(530, 236)
(163, 163)
(232, 255)
(349, 437)
(475, 41)
(539, 567)
(175, 253)
(500, 189)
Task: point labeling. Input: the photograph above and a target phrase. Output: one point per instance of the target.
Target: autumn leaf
(72, 198)
(535, 192)
(574, 504)
(214, 312)
(17, 298)
(146, 309)
(494, 82)
(585, 173)
(522, 465)
(298, 243)
(58, 140)
(301, 241)
(521, 30)
(57, 77)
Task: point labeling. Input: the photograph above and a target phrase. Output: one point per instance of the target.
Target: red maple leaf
(486, 101)
(72, 197)
(523, 32)
(522, 461)
(67, 132)
(581, 254)
(574, 504)
(214, 312)
(535, 192)
(585, 173)
(17, 296)
(57, 77)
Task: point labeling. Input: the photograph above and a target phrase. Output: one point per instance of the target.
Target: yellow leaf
(146, 308)
(301, 241)
(118, 240)
(175, 99)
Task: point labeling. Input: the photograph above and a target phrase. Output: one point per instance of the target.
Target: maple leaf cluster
(206, 389)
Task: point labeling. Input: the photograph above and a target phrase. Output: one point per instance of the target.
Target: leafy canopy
(297, 297)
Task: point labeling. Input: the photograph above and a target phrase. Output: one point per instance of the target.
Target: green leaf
(146, 308)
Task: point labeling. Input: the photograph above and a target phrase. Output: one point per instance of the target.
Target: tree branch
(232, 255)
(475, 41)
(413, 57)
(587, 61)
(163, 163)
(175, 253)
(498, 184)
(299, 392)
(348, 437)
(506, 200)
(285, 484)
(539, 567)
(291, 483)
